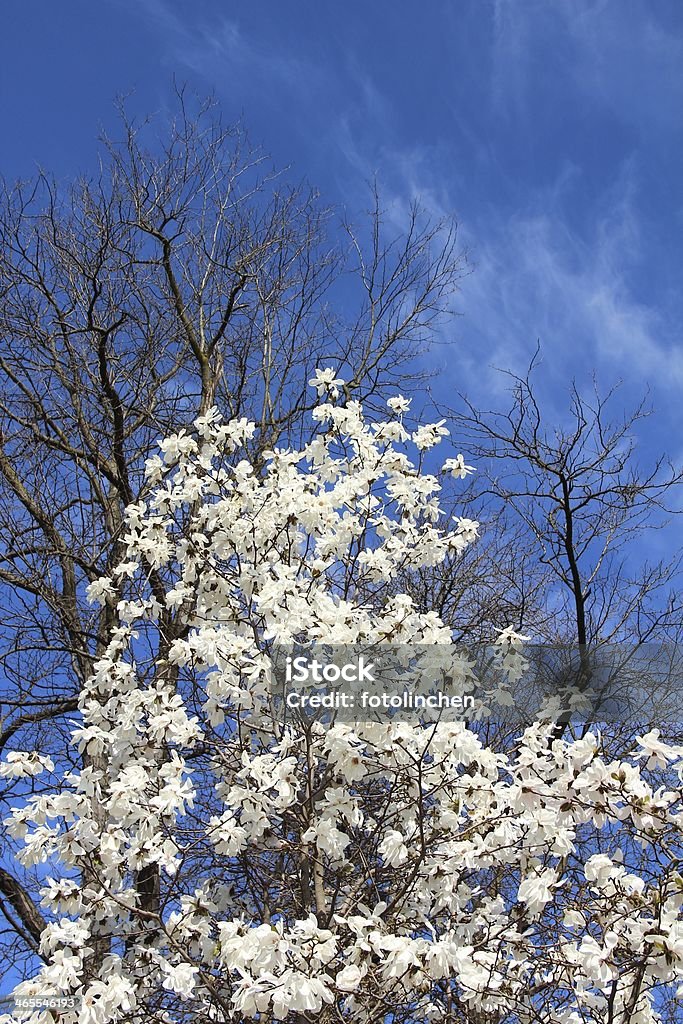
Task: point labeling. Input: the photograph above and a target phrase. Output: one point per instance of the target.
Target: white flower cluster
(18, 764)
(374, 869)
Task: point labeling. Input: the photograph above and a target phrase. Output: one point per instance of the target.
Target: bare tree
(585, 507)
(187, 273)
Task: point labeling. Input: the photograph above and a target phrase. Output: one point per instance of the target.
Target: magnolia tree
(212, 863)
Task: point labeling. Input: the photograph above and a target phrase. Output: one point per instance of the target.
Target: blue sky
(551, 128)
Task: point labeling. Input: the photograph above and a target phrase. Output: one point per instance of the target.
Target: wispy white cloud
(536, 279)
(632, 64)
(218, 50)
(511, 39)
(623, 58)
(223, 48)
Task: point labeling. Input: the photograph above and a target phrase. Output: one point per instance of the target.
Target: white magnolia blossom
(399, 404)
(457, 467)
(19, 764)
(326, 383)
(213, 861)
(393, 849)
(428, 436)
